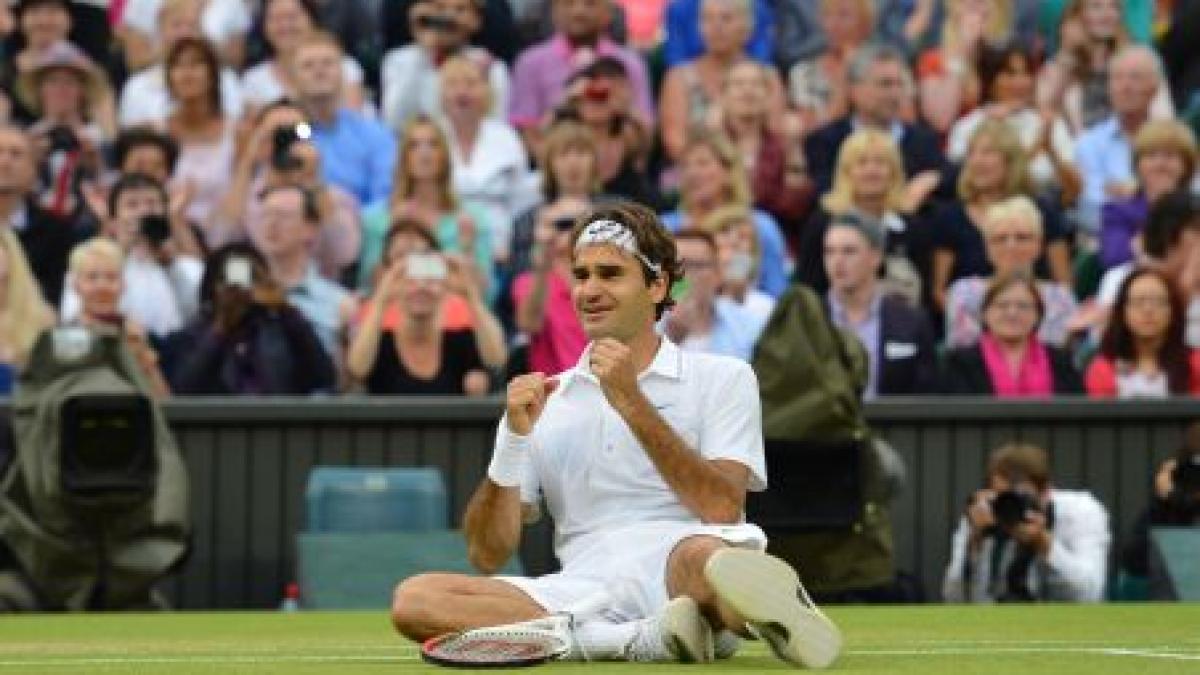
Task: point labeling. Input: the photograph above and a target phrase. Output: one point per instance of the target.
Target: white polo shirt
(595, 476)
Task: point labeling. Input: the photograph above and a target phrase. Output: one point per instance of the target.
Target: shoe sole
(687, 633)
(766, 592)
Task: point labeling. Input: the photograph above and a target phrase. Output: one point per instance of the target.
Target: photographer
(162, 266)
(1021, 540)
(246, 340)
(1175, 502)
(441, 28)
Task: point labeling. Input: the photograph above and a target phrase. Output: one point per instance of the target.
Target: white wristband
(510, 459)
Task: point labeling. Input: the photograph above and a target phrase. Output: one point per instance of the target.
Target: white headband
(615, 234)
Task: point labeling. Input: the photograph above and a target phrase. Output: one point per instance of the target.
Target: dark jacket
(920, 149)
(965, 372)
(1181, 53)
(908, 357)
(273, 351)
(47, 242)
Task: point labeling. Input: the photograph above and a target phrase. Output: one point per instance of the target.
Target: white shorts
(621, 575)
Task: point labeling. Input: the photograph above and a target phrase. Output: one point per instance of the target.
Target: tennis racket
(498, 647)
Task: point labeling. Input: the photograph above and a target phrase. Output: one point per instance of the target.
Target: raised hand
(612, 364)
(525, 401)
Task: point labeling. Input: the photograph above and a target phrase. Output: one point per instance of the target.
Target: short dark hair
(403, 226)
(214, 269)
(142, 136)
(134, 181)
(653, 240)
(1002, 283)
(1174, 356)
(1169, 216)
(310, 9)
(1017, 460)
(994, 60)
(311, 209)
(212, 62)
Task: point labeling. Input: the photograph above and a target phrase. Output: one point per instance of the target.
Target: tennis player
(643, 455)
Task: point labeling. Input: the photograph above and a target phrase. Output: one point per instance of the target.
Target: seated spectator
(542, 300)
(1006, 90)
(47, 240)
(23, 313)
(713, 177)
(1164, 160)
(498, 32)
(739, 257)
(285, 25)
(357, 152)
(424, 192)
(702, 320)
(411, 74)
(72, 109)
(541, 73)
(1135, 16)
(817, 86)
(994, 170)
(598, 97)
(1013, 237)
(687, 40)
(246, 340)
(870, 184)
(946, 75)
(39, 25)
(146, 98)
(280, 151)
(97, 281)
(774, 161)
(204, 134)
(1010, 361)
(1078, 80)
(1143, 353)
(147, 151)
(224, 23)
(1021, 539)
(419, 355)
(1104, 152)
(487, 159)
(692, 88)
(1173, 503)
(162, 267)
(895, 334)
(880, 91)
(288, 225)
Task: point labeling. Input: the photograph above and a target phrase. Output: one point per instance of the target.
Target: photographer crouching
(1175, 503)
(1022, 540)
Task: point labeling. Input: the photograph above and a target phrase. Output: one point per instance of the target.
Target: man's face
(1132, 84)
(99, 283)
(318, 70)
(700, 264)
(16, 162)
(45, 23)
(179, 22)
(850, 262)
(610, 293)
(724, 27)
(880, 95)
(582, 19)
(284, 229)
(149, 160)
(131, 207)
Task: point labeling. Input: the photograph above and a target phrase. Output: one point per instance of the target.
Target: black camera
(1009, 508)
(155, 228)
(282, 142)
(438, 22)
(62, 139)
(1185, 481)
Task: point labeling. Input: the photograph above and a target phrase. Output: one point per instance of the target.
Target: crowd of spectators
(998, 197)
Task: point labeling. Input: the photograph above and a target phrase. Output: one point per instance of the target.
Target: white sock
(603, 641)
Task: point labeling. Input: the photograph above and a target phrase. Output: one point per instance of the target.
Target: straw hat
(62, 54)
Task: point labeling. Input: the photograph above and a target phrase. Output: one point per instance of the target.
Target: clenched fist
(526, 399)
(612, 364)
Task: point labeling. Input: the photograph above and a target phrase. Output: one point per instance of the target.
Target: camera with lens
(62, 139)
(1011, 506)
(282, 142)
(155, 228)
(1185, 481)
(438, 22)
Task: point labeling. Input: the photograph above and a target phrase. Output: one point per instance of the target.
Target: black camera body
(1185, 481)
(1011, 506)
(438, 22)
(155, 228)
(282, 142)
(62, 139)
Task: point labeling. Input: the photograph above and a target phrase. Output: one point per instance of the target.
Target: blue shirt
(1104, 156)
(684, 42)
(772, 274)
(357, 154)
(320, 301)
(734, 331)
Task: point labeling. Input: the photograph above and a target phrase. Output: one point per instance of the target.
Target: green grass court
(962, 640)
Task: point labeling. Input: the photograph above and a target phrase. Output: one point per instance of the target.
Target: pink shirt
(561, 341)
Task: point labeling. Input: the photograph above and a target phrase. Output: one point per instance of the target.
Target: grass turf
(1095, 640)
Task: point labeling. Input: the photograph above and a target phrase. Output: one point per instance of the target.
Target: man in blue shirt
(358, 153)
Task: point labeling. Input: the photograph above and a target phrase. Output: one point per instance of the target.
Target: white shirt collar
(668, 363)
(18, 220)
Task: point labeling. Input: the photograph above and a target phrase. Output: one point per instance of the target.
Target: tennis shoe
(679, 633)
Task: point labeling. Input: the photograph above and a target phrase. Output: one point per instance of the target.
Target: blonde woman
(1012, 232)
(868, 181)
(23, 312)
(739, 256)
(422, 190)
(995, 169)
(712, 176)
(946, 74)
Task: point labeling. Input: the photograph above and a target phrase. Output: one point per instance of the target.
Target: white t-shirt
(221, 20)
(159, 300)
(145, 99)
(494, 177)
(261, 85)
(593, 473)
